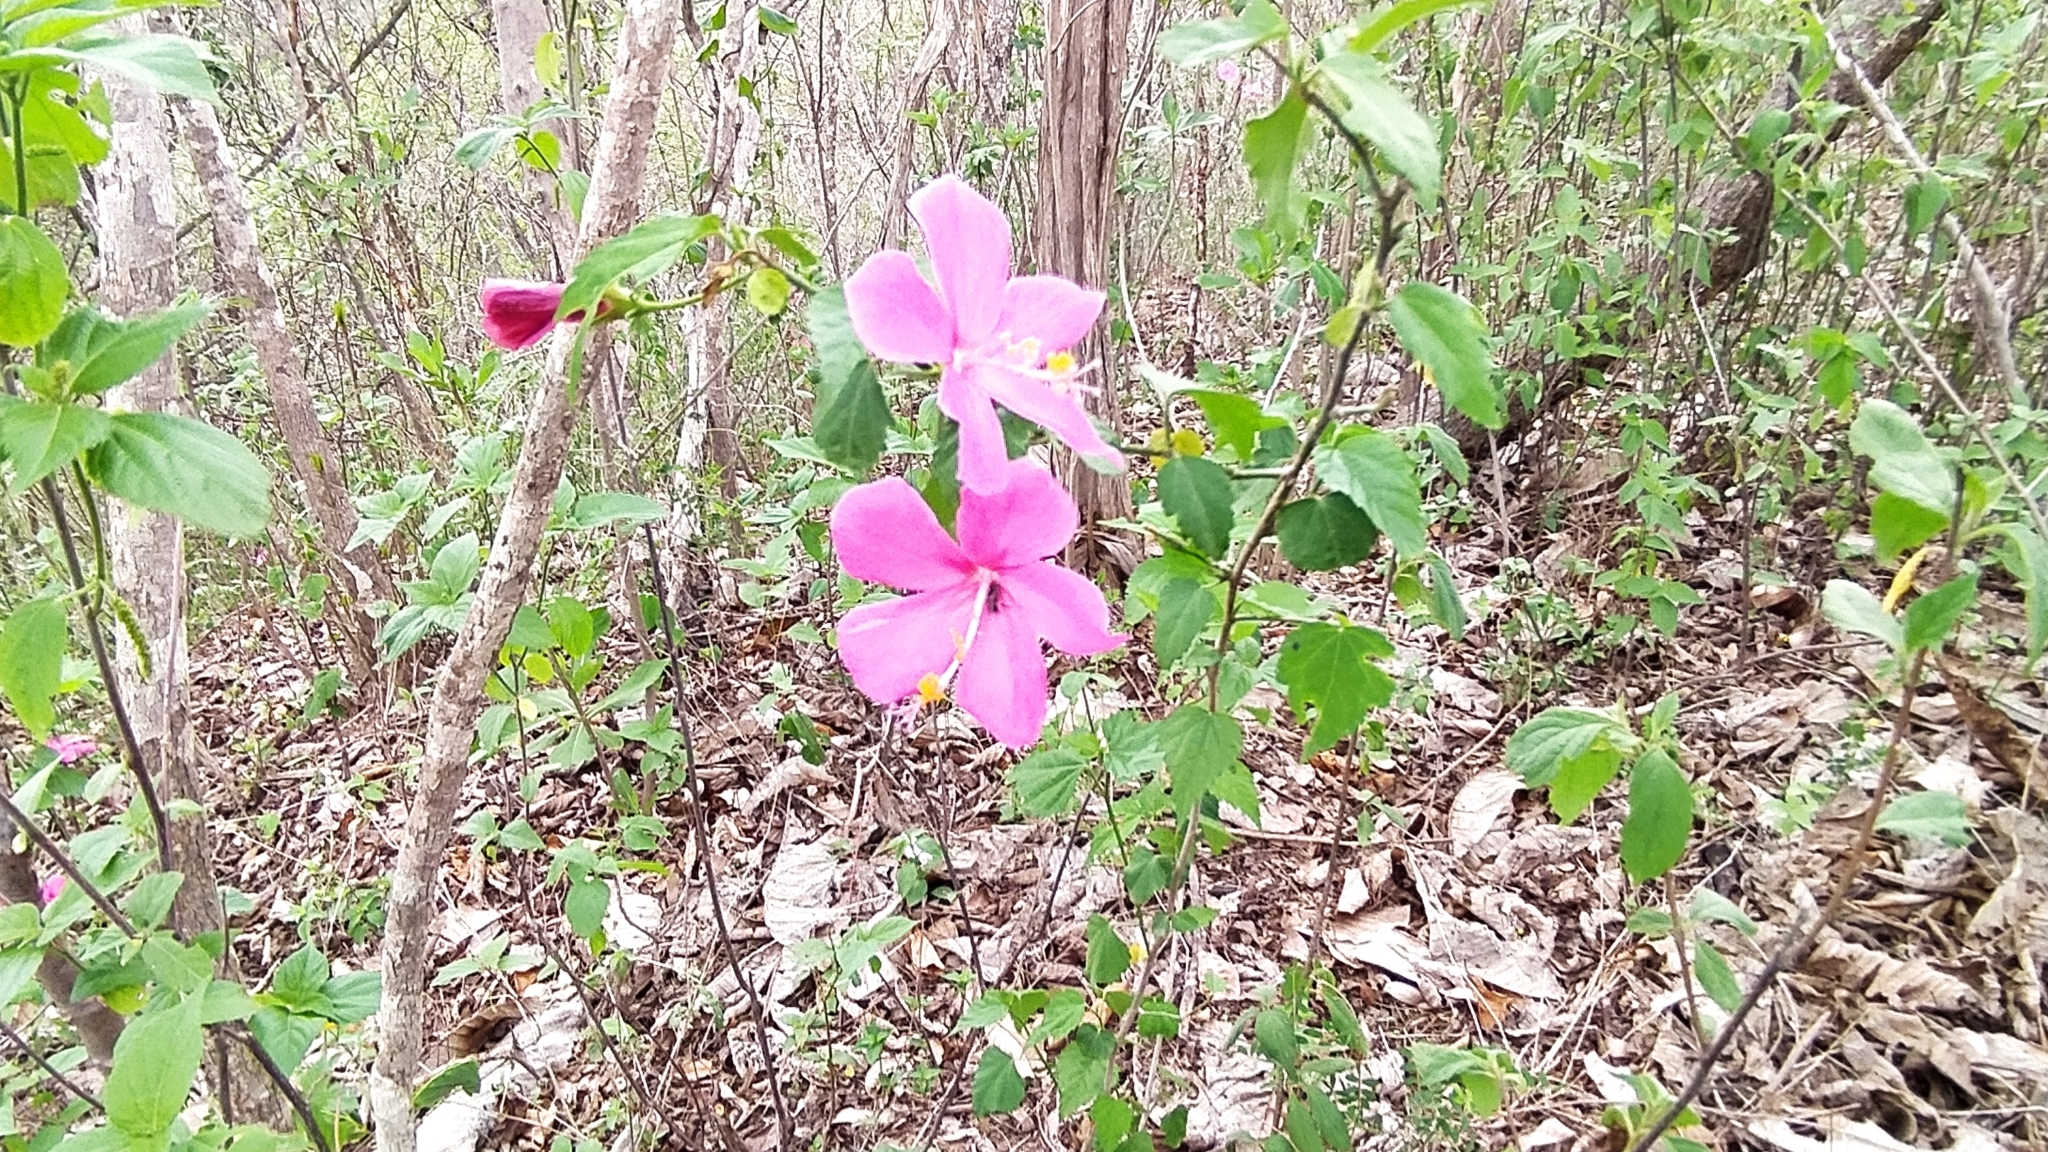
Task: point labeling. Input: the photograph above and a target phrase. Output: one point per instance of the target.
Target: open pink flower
(520, 313)
(997, 339)
(51, 887)
(979, 605)
(70, 749)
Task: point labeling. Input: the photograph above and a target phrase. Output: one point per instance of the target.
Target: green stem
(17, 95)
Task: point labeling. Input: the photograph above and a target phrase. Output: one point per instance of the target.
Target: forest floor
(1465, 913)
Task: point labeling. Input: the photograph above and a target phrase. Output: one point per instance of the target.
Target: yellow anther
(929, 690)
(1060, 363)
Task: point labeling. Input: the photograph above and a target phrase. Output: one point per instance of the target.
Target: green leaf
(540, 149)
(1236, 420)
(1185, 608)
(1273, 144)
(52, 180)
(850, 419)
(1928, 816)
(181, 968)
(600, 509)
(1852, 607)
(300, 982)
(1198, 745)
(1897, 524)
(463, 1075)
(33, 283)
(1444, 333)
(1325, 533)
(32, 644)
(1435, 1064)
(1902, 460)
(46, 119)
(155, 1062)
(226, 1000)
(1274, 1037)
(1580, 778)
(1715, 976)
(41, 436)
(768, 291)
(998, 1089)
(149, 902)
(1929, 619)
(478, 145)
(1709, 905)
(189, 469)
(354, 996)
(1082, 1071)
(1397, 16)
(585, 905)
(1329, 667)
(1444, 602)
(17, 970)
(530, 630)
(1659, 817)
(454, 568)
(2030, 565)
(1206, 41)
(1112, 1120)
(1379, 476)
(653, 244)
(1047, 782)
(285, 1035)
(1198, 495)
(1108, 956)
(1382, 114)
(103, 353)
(171, 65)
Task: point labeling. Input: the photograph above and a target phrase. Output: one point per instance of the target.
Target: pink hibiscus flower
(70, 749)
(520, 313)
(51, 887)
(997, 339)
(979, 606)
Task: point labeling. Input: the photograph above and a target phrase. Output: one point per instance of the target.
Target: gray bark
(646, 35)
(358, 575)
(1087, 49)
(137, 228)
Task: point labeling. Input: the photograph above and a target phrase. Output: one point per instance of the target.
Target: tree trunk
(359, 575)
(1737, 209)
(137, 230)
(646, 36)
(735, 143)
(517, 28)
(1080, 130)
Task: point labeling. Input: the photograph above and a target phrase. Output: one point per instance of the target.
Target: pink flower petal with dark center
(890, 646)
(1002, 683)
(1063, 606)
(1028, 518)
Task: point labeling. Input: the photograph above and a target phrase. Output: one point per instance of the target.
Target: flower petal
(518, 313)
(1064, 607)
(1028, 518)
(896, 313)
(1002, 682)
(983, 457)
(968, 239)
(1060, 414)
(890, 646)
(884, 532)
(1050, 309)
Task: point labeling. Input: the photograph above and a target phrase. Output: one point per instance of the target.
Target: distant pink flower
(979, 606)
(520, 313)
(70, 749)
(1229, 73)
(51, 887)
(997, 339)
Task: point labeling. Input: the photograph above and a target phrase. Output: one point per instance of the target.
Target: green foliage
(851, 418)
(1207, 41)
(1330, 669)
(188, 469)
(33, 283)
(32, 643)
(1198, 495)
(1443, 331)
(1659, 817)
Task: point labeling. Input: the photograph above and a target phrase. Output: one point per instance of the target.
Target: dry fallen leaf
(1480, 804)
